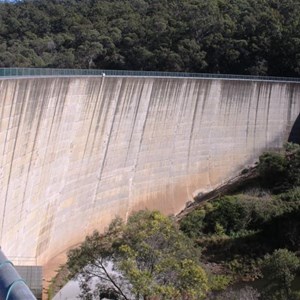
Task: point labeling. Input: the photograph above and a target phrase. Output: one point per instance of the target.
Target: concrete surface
(75, 152)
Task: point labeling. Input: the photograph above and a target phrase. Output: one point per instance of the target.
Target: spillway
(77, 151)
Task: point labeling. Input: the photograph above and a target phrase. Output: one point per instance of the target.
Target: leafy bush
(273, 171)
(292, 195)
(280, 171)
(242, 213)
(279, 270)
(219, 282)
(192, 225)
(229, 214)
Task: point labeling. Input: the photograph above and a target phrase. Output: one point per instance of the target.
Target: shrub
(279, 270)
(292, 195)
(229, 215)
(273, 171)
(192, 225)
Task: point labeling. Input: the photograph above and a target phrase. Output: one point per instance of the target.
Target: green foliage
(292, 195)
(147, 257)
(219, 282)
(192, 225)
(232, 215)
(279, 270)
(235, 232)
(281, 171)
(273, 170)
(228, 216)
(244, 37)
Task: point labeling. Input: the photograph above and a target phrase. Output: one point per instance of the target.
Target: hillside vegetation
(216, 252)
(220, 36)
(255, 232)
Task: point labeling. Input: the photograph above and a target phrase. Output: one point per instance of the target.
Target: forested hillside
(219, 36)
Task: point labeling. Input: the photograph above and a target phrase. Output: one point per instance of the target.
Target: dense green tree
(147, 257)
(279, 270)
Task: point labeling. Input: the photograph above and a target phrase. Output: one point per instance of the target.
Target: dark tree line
(221, 36)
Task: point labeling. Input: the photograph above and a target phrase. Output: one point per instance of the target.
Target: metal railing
(38, 72)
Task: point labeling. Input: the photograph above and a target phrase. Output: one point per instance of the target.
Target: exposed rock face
(75, 152)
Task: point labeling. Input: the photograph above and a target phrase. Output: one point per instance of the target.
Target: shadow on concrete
(294, 136)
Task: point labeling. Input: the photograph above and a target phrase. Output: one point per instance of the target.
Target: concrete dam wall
(77, 151)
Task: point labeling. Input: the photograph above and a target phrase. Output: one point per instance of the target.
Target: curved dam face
(76, 152)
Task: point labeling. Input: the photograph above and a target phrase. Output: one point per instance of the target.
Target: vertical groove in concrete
(75, 152)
